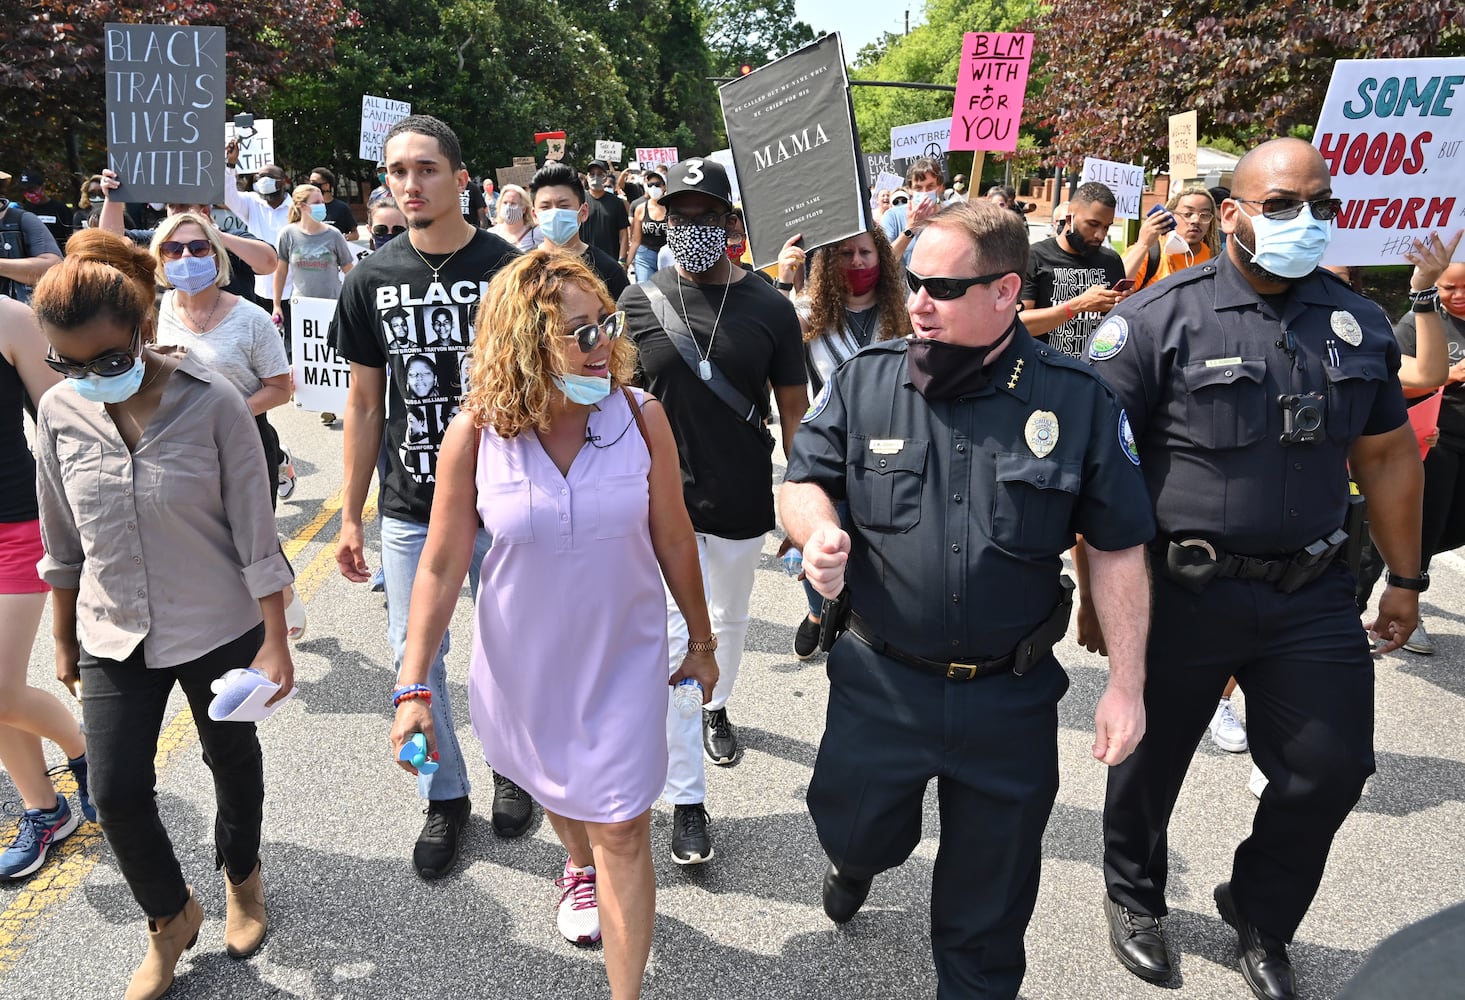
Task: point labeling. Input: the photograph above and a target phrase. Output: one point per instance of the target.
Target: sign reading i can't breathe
(165, 111)
(990, 87)
(1393, 134)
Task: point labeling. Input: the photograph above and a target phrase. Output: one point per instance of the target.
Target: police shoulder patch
(1126, 438)
(1109, 339)
(817, 407)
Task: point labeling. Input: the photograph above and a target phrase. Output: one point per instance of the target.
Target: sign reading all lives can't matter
(1393, 134)
(990, 87)
(378, 115)
(165, 112)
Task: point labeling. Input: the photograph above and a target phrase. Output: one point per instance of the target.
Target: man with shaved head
(1254, 383)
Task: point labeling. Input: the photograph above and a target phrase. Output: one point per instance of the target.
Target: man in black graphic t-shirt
(1070, 279)
(384, 327)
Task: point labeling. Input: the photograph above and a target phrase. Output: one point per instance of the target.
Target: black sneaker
(806, 639)
(719, 742)
(512, 807)
(437, 844)
(691, 844)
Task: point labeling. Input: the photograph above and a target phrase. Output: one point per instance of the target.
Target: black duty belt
(1036, 645)
(1195, 562)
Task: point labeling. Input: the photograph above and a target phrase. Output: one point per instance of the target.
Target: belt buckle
(961, 671)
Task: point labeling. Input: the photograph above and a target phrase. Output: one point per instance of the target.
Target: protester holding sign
(265, 211)
(1070, 281)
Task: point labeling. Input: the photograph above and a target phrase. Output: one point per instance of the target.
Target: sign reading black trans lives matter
(791, 128)
(165, 112)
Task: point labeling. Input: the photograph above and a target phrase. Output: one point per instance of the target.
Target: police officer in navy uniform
(1254, 384)
(969, 455)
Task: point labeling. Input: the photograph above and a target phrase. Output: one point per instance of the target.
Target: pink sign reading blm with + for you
(990, 87)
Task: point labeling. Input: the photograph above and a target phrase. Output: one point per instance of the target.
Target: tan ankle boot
(165, 946)
(245, 921)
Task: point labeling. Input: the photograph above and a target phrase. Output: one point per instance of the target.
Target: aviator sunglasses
(105, 365)
(1282, 209)
(587, 337)
(946, 289)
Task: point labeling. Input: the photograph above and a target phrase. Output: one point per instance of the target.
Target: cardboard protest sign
(1392, 132)
(321, 375)
(550, 145)
(879, 163)
(791, 127)
(524, 161)
(656, 156)
(990, 87)
(921, 139)
(1183, 146)
(257, 150)
(1126, 180)
(378, 115)
(165, 112)
(520, 175)
(886, 181)
(608, 151)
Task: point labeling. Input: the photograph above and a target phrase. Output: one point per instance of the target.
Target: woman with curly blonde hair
(577, 480)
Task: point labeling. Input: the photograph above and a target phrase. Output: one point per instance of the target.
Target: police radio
(1303, 417)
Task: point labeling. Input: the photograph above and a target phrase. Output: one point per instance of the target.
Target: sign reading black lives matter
(791, 128)
(165, 112)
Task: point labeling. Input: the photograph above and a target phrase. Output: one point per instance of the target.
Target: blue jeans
(402, 544)
(645, 264)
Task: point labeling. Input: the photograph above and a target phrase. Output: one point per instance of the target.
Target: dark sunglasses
(1282, 209)
(106, 365)
(172, 249)
(587, 337)
(902, 200)
(388, 230)
(946, 289)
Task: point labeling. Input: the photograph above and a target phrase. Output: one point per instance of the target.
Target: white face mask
(1175, 244)
(653, 191)
(265, 186)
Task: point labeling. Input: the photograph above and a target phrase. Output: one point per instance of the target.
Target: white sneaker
(1258, 782)
(579, 914)
(1227, 732)
(1419, 641)
(286, 478)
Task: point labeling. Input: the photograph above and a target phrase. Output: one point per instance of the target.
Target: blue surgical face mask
(117, 389)
(318, 212)
(1290, 248)
(191, 274)
(559, 224)
(586, 390)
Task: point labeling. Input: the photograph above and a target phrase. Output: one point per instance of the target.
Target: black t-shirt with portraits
(392, 315)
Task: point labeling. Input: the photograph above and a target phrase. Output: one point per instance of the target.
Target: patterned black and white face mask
(697, 248)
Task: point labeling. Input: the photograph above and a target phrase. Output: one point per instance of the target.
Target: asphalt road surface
(349, 918)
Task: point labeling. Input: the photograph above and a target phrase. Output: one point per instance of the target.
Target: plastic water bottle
(793, 562)
(687, 697)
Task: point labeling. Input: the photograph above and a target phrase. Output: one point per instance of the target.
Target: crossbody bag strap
(636, 413)
(681, 337)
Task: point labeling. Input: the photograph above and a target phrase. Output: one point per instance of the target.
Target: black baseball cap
(598, 163)
(698, 175)
(30, 178)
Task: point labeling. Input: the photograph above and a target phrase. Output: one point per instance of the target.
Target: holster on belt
(1192, 564)
(1040, 641)
(1356, 524)
(833, 620)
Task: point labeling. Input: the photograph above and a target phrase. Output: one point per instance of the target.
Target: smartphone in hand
(1169, 220)
(1123, 285)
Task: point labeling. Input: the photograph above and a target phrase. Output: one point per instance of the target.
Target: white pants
(728, 566)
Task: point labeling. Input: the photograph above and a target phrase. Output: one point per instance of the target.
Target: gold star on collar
(1016, 374)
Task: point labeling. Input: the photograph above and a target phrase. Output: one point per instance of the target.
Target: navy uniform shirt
(1199, 361)
(957, 522)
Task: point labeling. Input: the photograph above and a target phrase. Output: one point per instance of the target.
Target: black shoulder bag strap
(681, 337)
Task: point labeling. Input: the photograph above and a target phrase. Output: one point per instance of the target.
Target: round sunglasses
(587, 337)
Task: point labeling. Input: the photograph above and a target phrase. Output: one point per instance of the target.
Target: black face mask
(940, 370)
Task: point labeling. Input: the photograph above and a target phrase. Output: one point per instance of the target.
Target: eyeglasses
(713, 219)
(1282, 209)
(900, 200)
(946, 289)
(587, 337)
(172, 249)
(388, 230)
(1205, 215)
(106, 365)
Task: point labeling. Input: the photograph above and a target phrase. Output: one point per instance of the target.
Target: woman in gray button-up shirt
(165, 567)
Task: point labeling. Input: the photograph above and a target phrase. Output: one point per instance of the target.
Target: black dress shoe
(1264, 962)
(843, 897)
(1138, 942)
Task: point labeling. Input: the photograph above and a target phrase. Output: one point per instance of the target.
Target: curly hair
(829, 290)
(519, 345)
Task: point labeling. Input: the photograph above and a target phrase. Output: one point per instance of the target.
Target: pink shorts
(20, 550)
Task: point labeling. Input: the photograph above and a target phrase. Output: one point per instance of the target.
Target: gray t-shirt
(244, 347)
(315, 261)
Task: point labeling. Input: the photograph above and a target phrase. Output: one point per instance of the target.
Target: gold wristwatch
(702, 645)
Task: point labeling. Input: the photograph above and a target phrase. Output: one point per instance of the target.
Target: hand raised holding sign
(791, 263)
(1430, 257)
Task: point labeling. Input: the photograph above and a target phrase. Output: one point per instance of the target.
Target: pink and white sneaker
(579, 915)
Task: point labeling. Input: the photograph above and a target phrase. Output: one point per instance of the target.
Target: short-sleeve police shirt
(959, 509)
(1199, 362)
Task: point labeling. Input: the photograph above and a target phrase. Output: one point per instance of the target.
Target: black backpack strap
(1151, 266)
(681, 337)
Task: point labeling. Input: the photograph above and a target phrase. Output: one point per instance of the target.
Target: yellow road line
(72, 860)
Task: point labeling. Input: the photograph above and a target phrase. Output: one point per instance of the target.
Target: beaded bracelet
(410, 691)
(1424, 294)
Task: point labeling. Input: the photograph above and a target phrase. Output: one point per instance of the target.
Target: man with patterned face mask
(710, 339)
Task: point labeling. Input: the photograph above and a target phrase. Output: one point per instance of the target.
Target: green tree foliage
(751, 31)
(1251, 70)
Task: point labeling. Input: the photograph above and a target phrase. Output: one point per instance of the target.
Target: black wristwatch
(1419, 583)
(783, 286)
(909, 234)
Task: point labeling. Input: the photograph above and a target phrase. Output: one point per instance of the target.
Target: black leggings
(1444, 501)
(273, 460)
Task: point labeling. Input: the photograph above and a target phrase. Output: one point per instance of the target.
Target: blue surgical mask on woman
(191, 274)
(587, 390)
(1290, 248)
(559, 224)
(114, 389)
(318, 212)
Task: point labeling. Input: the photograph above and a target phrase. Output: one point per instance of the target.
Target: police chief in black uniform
(969, 455)
(1254, 384)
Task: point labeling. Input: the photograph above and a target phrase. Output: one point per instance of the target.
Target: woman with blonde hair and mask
(516, 222)
(313, 257)
(577, 479)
